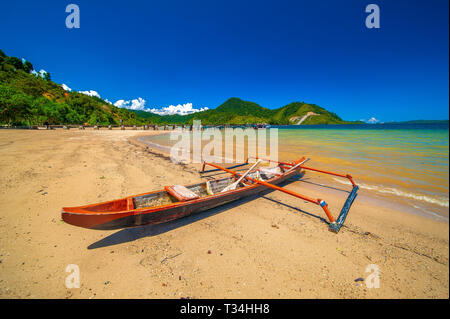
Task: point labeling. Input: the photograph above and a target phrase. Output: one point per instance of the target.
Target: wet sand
(273, 246)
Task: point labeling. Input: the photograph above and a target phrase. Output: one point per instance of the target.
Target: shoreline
(272, 246)
(367, 195)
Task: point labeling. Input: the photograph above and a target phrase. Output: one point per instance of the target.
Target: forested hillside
(28, 98)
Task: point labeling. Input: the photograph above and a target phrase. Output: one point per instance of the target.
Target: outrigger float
(174, 202)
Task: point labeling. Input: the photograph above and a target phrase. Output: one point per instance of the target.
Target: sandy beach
(273, 246)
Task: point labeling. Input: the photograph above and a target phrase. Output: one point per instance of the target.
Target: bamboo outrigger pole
(334, 225)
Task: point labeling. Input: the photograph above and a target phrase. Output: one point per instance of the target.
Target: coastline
(365, 193)
(268, 247)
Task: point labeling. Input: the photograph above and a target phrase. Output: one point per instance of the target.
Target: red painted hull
(122, 213)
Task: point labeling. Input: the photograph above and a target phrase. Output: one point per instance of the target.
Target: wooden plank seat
(181, 193)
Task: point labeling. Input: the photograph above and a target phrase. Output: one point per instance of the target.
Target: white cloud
(107, 101)
(91, 93)
(181, 109)
(372, 120)
(139, 104)
(120, 103)
(41, 73)
(65, 87)
(135, 104)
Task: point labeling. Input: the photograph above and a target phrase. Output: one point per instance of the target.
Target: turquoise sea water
(402, 162)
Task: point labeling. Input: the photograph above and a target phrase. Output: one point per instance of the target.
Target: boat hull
(77, 216)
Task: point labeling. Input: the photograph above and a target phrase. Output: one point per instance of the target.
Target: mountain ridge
(239, 112)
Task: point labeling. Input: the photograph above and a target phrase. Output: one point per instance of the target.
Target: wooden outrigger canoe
(178, 201)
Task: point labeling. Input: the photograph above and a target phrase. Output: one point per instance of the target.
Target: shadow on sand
(134, 233)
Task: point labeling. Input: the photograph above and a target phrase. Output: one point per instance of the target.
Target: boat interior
(195, 191)
(180, 193)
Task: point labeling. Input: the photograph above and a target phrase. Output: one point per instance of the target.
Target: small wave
(444, 202)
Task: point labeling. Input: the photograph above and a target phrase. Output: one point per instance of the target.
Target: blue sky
(270, 52)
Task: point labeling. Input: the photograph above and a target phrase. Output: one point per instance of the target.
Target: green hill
(27, 98)
(232, 111)
(294, 112)
(237, 111)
